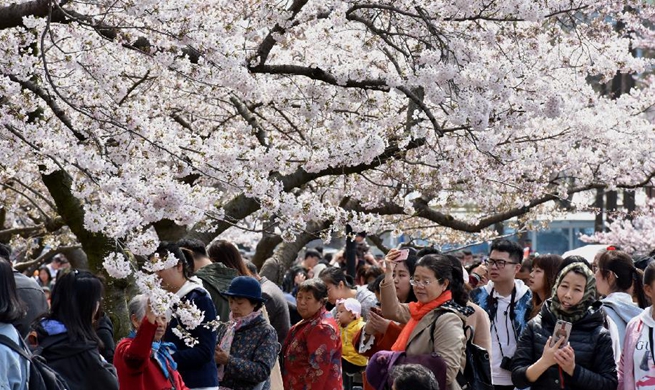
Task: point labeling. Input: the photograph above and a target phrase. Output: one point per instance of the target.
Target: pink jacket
(633, 331)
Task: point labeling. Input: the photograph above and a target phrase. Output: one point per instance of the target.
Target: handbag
(477, 372)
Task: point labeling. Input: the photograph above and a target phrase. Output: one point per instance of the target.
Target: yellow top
(348, 350)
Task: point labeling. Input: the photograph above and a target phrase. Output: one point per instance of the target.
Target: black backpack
(42, 377)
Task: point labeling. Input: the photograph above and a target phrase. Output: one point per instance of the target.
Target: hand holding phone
(562, 331)
(404, 254)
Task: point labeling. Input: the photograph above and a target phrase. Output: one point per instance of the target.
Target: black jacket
(79, 363)
(595, 368)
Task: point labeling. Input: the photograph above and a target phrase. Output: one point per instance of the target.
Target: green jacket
(216, 277)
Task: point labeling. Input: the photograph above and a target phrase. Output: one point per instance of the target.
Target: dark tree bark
(95, 245)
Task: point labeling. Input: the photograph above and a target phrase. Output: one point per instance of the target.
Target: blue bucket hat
(245, 287)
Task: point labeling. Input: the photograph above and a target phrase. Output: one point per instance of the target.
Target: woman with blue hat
(248, 347)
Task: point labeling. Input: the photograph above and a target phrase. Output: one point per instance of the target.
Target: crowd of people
(403, 321)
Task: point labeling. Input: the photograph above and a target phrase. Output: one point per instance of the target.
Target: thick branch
(12, 15)
(321, 75)
(95, 245)
(257, 129)
(29, 231)
(242, 206)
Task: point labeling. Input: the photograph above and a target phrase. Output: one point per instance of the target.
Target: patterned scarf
(161, 352)
(418, 310)
(578, 311)
(232, 327)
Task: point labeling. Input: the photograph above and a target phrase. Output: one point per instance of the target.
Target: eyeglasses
(421, 283)
(500, 264)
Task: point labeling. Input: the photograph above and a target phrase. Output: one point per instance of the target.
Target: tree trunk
(611, 207)
(95, 245)
(600, 207)
(265, 249)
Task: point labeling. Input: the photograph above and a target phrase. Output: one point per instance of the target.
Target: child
(349, 317)
(586, 362)
(637, 368)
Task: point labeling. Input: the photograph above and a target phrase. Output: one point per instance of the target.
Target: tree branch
(317, 73)
(257, 129)
(12, 15)
(36, 262)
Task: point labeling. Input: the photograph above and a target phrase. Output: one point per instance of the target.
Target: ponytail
(638, 292)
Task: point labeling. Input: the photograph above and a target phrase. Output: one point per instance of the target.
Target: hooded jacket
(78, 362)
(595, 368)
(637, 369)
(195, 365)
(215, 278)
(620, 308)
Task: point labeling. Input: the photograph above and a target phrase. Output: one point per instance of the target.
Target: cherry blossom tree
(634, 233)
(128, 122)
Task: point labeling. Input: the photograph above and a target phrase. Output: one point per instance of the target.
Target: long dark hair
(626, 274)
(335, 275)
(75, 299)
(458, 274)
(11, 308)
(221, 251)
(443, 269)
(549, 264)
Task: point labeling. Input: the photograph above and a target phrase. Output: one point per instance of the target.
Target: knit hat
(352, 305)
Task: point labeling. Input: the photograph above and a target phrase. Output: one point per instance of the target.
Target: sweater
(637, 368)
(595, 368)
(196, 365)
(137, 368)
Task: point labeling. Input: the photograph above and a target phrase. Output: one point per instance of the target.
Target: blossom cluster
(216, 115)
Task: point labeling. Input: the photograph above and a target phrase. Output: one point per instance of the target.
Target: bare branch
(62, 249)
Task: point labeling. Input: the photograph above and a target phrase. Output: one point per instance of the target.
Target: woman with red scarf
(437, 320)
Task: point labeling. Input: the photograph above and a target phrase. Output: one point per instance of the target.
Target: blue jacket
(13, 368)
(196, 365)
(522, 307)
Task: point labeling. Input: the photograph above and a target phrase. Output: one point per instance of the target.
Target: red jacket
(136, 369)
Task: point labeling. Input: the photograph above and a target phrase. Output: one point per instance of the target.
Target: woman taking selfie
(586, 361)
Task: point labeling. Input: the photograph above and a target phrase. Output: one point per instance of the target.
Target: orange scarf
(418, 310)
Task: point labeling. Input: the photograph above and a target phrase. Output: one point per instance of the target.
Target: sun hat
(245, 287)
(352, 305)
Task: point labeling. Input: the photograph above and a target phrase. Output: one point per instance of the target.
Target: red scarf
(418, 310)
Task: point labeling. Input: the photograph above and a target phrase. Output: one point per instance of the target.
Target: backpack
(42, 377)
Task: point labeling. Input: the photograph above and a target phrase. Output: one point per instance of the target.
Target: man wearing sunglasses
(507, 300)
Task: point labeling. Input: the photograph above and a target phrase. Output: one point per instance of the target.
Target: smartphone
(376, 310)
(562, 330)
(404, 253)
